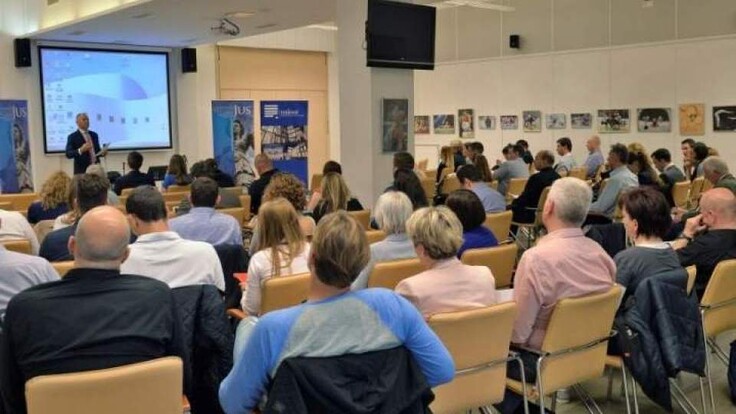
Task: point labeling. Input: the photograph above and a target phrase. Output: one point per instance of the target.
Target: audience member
(391, 212)
(447, 285)
(716, 171)
(160, 253)
(527, 156)
(335, 196)
(96, 169)
(470, 179)
(53, 199)
(404, 160)
(640, 164)
(447, 160)
(90, 191)
(688, 164)
(457, 147)
(333, 321)
(595, 156)
(72, 215)
(514, 167)
(203, 222)
(524, 207)
(228, 199)
(94, 318)
(265, 169)
(134, 177)
(700, 153)
(469, 210)
(14, 226)
(710, 236)
(223, 179)
(567, 161)
(481, 163)
(408, 183)
(176, 174)
(669, 173)
(620, 179)
(331, 166)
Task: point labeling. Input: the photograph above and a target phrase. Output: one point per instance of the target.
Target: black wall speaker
(22, 53)
(188, 60)
(514, 41)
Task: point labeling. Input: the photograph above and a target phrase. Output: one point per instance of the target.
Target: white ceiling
(181, 23)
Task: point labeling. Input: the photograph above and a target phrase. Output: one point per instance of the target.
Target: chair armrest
(236, 313)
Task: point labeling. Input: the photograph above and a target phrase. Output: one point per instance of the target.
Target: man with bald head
(595, 156)
(265, 169)
(710, 236)
(94, 318)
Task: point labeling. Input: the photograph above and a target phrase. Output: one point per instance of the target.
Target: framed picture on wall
(654, 119)
(724, 118)
(395, 123)
(532, 121)
(582, 120)
(692, 119)
(613, 121)
(466, 123)
(486, 122)
(556, 121)
(444, 124)
(421, 124)
(509, 122)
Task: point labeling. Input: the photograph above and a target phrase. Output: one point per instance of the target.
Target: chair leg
(625, 380)
(633, 391)
(553, 404)
(701, 382)
(707, 365)
(540, 387)
(610, 384)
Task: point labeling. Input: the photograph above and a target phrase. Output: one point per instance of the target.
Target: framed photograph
(509, 122)
(556, 121)
(692, 119)
(724, 118)
(444, 124)
(421, 124)
(532, 121)
(466, 123)
(582, 120)
(395, 120)
(612, 121)
(654, 119)
(486, 122)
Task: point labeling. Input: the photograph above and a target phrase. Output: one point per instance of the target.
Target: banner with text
(232, 137)
(284, 135)
(15, 150)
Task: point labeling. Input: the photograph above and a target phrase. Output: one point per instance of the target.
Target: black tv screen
(400, 35)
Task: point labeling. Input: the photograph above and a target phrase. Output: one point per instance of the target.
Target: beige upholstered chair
(515, 188)
(363, 217)
(578, 172)
(389, 274)
(316, 182)
(174, 197)
(429, 187)
(19, 245)
(245, 203)
(450, 184)
(19, 202)
(696, 188)
(500, 259)
(680, 192)
(533, 229)
(499, 224)
(284, 291)
(374, 236)
(6, 205)
(237, 212)
(126, 192)
(62, 268)
(692, 272)
(179, 188)
(42, 228)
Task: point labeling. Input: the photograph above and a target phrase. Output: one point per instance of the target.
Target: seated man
(15, 226)
(620, 179)
(333, 321)
(529, 199)
(514, 167)
(203, 222)
(492, 200)
(91, 192)
(161, 254)
(266, 170)
(567, 161)
(595, 157)
(669, 173)
(134, 177)
(94, 318)
(710, 236)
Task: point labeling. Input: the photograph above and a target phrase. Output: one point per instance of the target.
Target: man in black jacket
(265, 169)
(135, 177)
(83, 146)
(529, 198)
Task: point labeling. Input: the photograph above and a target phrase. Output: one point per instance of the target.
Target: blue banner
(15, 150)
(232, 137)
(284, 135)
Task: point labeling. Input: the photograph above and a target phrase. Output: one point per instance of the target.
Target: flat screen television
(400, 35)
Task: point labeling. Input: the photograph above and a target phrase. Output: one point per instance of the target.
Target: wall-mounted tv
(400, 35)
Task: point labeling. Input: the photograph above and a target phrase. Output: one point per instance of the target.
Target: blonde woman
(53, 201)
(447, 160)
(71, 216)
(335, 196)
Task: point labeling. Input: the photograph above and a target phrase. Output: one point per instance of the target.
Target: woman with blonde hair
(641, 164)
(53, 202)
(447, 160)
(71, 216)
(335, 196)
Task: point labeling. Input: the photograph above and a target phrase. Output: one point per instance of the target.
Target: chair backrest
(450, 184)
(422, 164)
(578, 172)
(500, 259)
(126, 191)
(6, 205)
(696, 187)
(540, 206)
(42, 228)
(284, 291)
(62, 268)
(152, 387)
(478, 341)
(692, 272)
(19, 202)
(179, 188)
(363, 217)
(429, 186)
(170, 197)
(680, 192)
(389, 274)
(721, 289)
(237, 212)
(516, 186)
(375, 236)
(245, 203)
(499, 224)
(576, 322)
(316, 182)
(19, 245)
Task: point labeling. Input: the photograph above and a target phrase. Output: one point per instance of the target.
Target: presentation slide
(124, 93)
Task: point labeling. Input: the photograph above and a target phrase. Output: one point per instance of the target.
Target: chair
(680, 193)
(315, 184)
(179, 188)
(19, 202)
(126, 192)
(500, 259)
(62, 268)
(614, 362)
(692, 272)
(237, 212)
(429, 186)
(152, 387)
(245, 203)
(478, 341)
(574, 347)
(450, 184)
(389, 274)
(363, 217)
(171, 197)
(42, 228)
(422, 164)
(534, 228)
(499, 224)
(696, 188)
(284, 291)
(374, 236)
(515, 188)
(718, 311)
(19, 245)
(6, 205)
(578, 172)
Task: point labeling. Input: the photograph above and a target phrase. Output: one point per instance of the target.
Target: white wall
(663, 75)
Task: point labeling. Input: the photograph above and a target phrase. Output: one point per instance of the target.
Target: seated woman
(330, 166)
(469, 210)
(447, 160)
(335, 196)
(646, 218)
(641, 165)
(73, 214)
(392, 210)
(481, 163)
(406, 181)
(53, 201)
(177, 172)
(447, 285)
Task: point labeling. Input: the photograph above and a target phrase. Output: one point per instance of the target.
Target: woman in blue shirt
(468, 208)
(177, 172)
(53, 199)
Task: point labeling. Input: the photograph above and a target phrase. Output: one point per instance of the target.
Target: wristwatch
(686, 237)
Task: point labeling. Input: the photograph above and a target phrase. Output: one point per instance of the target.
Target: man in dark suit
(83, 145)
(529, 198)
(265, 169)
(94, 318)
(669, 172)
(134, 178)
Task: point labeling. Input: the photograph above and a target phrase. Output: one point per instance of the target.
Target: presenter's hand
(85, 147)
(103, 152)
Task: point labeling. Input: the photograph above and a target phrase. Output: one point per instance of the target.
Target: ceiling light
(322, 27)
(239, 15)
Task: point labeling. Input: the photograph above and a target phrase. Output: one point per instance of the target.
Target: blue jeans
(242, 334)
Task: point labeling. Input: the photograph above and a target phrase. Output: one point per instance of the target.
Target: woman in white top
(282, 250)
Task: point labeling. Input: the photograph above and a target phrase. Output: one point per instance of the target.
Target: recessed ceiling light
(239, 15)
(322, 27)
